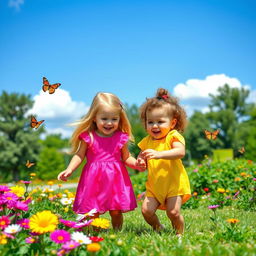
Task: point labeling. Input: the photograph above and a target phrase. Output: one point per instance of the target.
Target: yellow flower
(237, 178)
(195, 194)
(66, 209)
(3, 239)
(43, 222)
(232, 220)
(32, 174)
(221, 190)
(18, 190)
(93, 247)
(50, 183)
(101, 223)
(243, 174)
(59, 185)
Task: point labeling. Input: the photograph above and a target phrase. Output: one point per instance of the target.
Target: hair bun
(162, 93)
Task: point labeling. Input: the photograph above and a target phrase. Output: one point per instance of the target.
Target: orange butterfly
(34, 123)
(241, 150)
(211, 135)
(49, 87)
(29, 164)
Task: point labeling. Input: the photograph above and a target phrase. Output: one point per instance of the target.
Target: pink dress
(104, 183)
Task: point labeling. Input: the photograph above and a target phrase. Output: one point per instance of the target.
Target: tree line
(229, 112)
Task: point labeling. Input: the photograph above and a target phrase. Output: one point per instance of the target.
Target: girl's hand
(141, 164)
(151, 154)
(64, 175)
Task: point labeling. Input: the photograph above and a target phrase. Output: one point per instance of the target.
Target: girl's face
(159, 123)
(107, 121)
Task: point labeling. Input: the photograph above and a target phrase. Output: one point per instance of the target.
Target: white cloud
(194, 93)
(15, 4)
(57, 110)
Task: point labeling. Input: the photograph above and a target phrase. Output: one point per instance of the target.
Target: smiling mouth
(108, 128)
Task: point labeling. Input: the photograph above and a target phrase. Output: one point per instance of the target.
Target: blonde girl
(102, 137)
(167, 186)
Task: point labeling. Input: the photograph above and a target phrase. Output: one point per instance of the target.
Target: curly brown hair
(163, 98)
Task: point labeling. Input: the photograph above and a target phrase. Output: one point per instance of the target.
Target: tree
(52, 159)
(51, 163)
(137, 128)
(18, 142)
(228, 111)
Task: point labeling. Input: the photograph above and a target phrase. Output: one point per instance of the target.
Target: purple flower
(60, 236)
(70, 245)
(24, 223)
(212, 207)
(236, 194)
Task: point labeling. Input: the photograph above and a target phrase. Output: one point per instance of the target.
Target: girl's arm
(177, 152)
(130, 161)
(74, 163)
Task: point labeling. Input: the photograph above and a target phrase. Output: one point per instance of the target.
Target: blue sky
(129, 48)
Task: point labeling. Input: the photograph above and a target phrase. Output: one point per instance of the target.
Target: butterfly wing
(215, 134)
(208, 135)
(53, 87)
(29, 164)
(46, 84)
(241, 150)
(33, 122)
(39, 123)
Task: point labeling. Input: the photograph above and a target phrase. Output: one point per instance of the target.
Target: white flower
(80, 238)
(66, 201)
(82, 216)
(43, 195)
(12, 229)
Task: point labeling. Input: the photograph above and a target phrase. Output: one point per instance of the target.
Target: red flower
(206, 189)
(96, 239)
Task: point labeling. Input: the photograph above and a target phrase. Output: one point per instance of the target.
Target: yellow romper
(166, 178)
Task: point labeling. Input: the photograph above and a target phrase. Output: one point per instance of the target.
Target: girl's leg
(173, 205)
(149, 208)
(116, 219)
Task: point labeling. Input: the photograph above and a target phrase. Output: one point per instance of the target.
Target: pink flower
(236, 194)
(4, 188)
(21, 206)
(4, 222)
(68, 223)
(254, 179)
(24, 223)
(83, 224)
(60, 236)
(70, 245)
(30, 240)
(9, 197)
(25, 181)
(215, 181)
(195, 170)
(212, 207)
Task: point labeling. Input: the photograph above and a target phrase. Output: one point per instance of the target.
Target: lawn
(203, 236)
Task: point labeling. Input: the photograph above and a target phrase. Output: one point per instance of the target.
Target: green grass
(201, 236)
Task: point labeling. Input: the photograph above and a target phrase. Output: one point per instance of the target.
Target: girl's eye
(150, 122)
(104, 119)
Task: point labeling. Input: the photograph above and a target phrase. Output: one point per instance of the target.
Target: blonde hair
(87, 122)
(162, 99)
